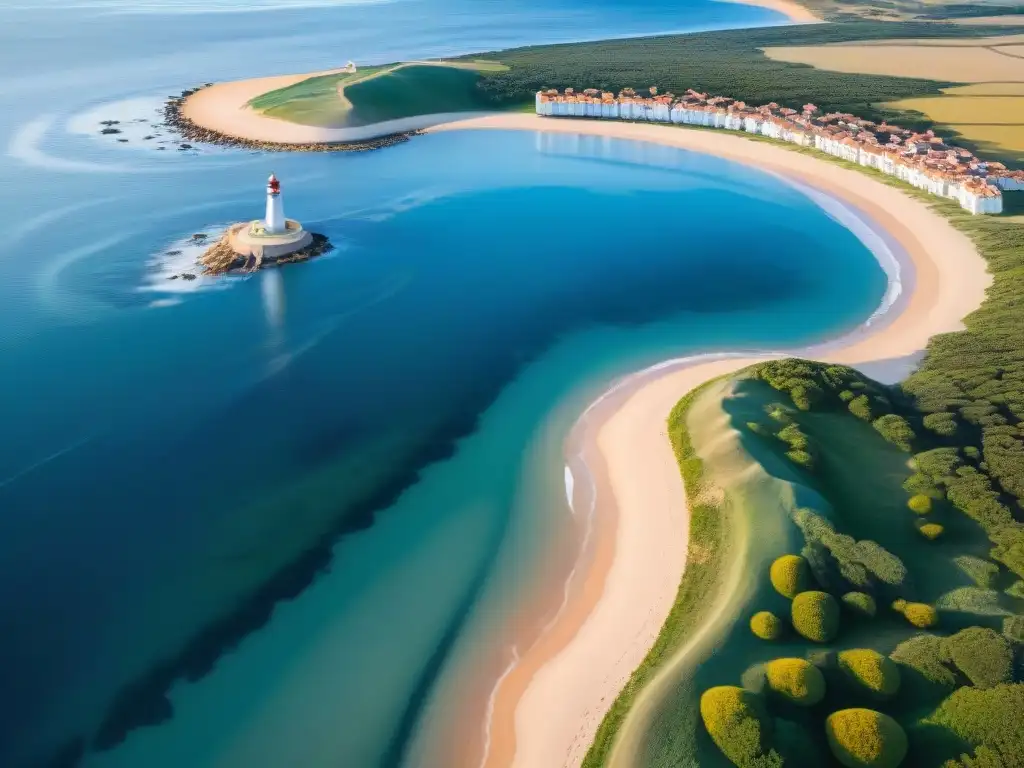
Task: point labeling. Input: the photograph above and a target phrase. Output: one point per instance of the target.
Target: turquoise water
(259, 522)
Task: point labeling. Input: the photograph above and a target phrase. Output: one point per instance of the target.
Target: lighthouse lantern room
(275, 222)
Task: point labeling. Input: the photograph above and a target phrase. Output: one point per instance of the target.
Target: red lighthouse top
(273, 185)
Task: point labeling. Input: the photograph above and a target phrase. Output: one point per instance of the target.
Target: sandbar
(548, 707)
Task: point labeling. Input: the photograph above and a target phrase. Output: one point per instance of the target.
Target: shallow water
(296, 500)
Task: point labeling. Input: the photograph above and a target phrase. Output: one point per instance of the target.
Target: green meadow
(375, 94)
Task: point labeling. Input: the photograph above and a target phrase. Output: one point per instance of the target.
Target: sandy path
(548, 709)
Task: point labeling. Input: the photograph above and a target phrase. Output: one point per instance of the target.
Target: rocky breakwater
(224, 257)
(176, 120)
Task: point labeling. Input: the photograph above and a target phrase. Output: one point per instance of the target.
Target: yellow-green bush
(797, 679)
(815, 616)
(920, 504)
(863, 738)
(930, 531)
(878, 673)
(736, 721)
(766, 625)
(860, 602)
(919, 614)
(790, 575)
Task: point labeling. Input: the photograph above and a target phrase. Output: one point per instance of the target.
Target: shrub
(789, 575)
(858, 561)
(861, 408)
(1013, 628)
(862, 737)
(941, 424)
(925, 654)
(984, 716)
(1016, 590)
(797, 679)
(930, 531)
(896, 430)
(816, 616)
(981, 571)
(766, 625)
(984, 656)
(794, 436)
(801, 458)
(778, 412)
(805, 395)
(860, 603)
(920, 504)
(981, 602)
(846, 395)
(736, 721)
(878, 673)
(919, 614)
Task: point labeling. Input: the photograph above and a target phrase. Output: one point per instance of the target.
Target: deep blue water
(244, 512)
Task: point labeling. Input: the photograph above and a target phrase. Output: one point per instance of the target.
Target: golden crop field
(986, 89)
(990, 110)
(953, 63)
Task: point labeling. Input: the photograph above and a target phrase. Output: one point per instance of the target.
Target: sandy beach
(547, 709)
(222, 107)
(795, 12)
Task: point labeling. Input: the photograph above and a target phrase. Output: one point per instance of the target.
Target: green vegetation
(790, 576)
(737, 723)
(984, 656)
(982, 572)
(766, 625)
(860, 603)
(797, 680)
(926, 655)
(989, 717)
(376, 94)
(729, 62)
(930, 531)
(860, 738)
(816, 616)
(875, 672)
(920, 504)
(896, 430)
(919, 614)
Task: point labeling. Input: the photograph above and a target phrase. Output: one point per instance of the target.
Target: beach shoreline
(551, 701)
(795, 12)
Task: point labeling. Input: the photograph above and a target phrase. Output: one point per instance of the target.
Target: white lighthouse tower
(274, 223)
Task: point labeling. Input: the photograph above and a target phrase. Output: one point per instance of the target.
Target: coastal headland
(551, 702)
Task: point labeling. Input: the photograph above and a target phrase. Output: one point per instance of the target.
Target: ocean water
(264, 521)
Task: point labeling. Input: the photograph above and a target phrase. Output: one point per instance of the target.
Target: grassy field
(374, 94)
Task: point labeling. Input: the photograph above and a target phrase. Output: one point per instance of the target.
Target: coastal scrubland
(885, 647)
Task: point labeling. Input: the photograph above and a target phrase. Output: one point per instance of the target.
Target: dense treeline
(728, 63)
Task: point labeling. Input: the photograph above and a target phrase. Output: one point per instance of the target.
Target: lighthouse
(274, 223)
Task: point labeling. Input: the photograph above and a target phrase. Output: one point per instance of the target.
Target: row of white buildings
(920, 159)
